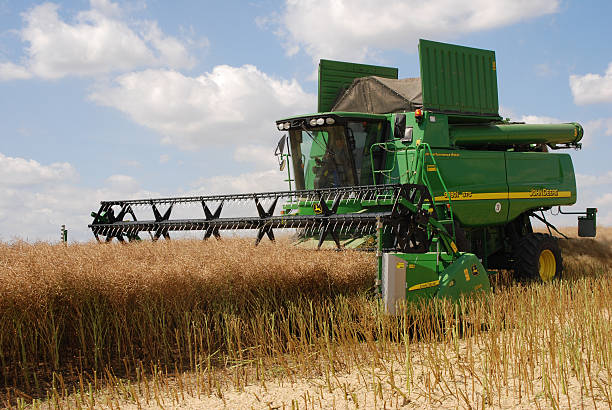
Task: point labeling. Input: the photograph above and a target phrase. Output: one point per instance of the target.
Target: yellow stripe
(468, 196)
(425, 285)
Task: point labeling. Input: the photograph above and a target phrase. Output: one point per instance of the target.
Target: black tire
(532, 249)
(462, 242)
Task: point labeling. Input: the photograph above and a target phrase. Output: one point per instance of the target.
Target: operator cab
(330, 151)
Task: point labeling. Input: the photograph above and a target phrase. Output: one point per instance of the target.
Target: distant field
(218, 324)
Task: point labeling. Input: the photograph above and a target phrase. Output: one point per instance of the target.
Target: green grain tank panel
(336, 76)
(539, 179)
(476, 182)
(495, 187)
(458, 79)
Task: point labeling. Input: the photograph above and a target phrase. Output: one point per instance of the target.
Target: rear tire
(537, 257)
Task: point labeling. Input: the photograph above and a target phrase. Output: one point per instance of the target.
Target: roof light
(320, 121)
(287, 125)
(418, 115)
(280, 126)
(330, 121)
(313, 122)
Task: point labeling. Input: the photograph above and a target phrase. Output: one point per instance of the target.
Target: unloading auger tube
(408, 216)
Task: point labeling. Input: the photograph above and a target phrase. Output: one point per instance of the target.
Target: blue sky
(105, 100)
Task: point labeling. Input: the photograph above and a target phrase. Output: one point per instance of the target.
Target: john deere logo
(317, 209)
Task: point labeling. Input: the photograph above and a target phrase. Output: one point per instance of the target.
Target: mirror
(407, 139)
(280, 147)
(400, 126)
(283, 164)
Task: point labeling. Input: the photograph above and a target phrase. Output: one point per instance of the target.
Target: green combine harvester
(422, 170)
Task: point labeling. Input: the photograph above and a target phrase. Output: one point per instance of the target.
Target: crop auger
(423, 168)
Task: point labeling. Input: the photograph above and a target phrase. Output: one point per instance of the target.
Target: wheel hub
(548, 265)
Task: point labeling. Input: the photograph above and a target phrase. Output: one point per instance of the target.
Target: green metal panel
(476, 181)
(336, 76)
(539, 179)
(510, 134)
(436, 274)
(465, 276)
(458, 79)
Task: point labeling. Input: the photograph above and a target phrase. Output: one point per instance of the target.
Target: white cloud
(596, 128)
(164, 158)
(259, 181)
(11, 71)
(97, 41)
(537, 119)
(36, 199)
(358, 29)
(230, 105)
(604, 209)
(23, 172)
(606, 199)
(600, 125)
(261, 156)
(122, 183)
(592, 88)
(585, 180)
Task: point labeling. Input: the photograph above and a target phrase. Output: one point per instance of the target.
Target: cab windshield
(333, 156)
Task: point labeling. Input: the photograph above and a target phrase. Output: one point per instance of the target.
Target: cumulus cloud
(97, 41)
(596, 128)
(358, 29)
(229, 105)
(260, 156)
(122, 183)
(537, 119)
(36, 199)
(258, 181)
(27, 172)
(606, 199)
(585, 180)
(592, 88)
(600, 125)
(11, 71)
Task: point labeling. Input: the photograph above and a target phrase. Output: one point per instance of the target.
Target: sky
(106, 99)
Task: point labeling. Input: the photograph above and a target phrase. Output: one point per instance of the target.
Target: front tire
(538, 258)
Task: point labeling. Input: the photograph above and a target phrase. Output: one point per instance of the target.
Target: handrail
(385, 172)
(421, 167)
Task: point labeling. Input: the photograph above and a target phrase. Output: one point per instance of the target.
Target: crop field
(215, 324)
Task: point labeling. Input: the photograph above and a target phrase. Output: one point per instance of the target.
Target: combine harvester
(424, 169)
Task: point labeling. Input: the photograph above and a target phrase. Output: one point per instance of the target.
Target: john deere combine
(422, 169)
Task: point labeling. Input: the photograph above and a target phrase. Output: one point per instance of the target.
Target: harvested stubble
(240, 317)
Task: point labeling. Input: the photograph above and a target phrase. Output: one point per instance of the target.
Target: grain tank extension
(422, 170)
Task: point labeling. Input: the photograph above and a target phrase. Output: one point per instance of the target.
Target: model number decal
(457, 195)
